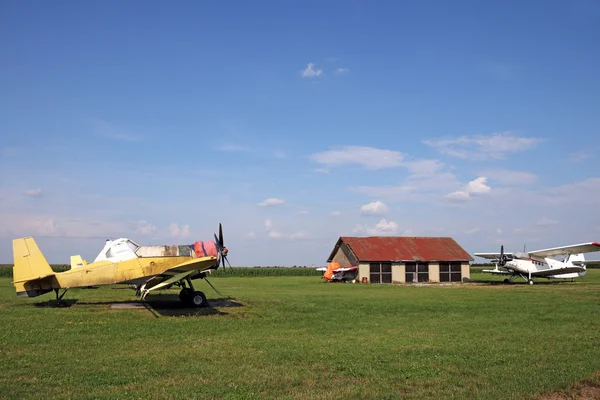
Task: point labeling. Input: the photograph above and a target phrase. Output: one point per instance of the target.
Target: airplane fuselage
(532, 265)
(107, 272)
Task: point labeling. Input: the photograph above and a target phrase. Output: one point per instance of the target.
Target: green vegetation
(297, 337)
(6, 270)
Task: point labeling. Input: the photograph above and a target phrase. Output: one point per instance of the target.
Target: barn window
(417, 272)
(450, 272)
(380, 272)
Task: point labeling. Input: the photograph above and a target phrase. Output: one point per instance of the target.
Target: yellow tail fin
(29, 261)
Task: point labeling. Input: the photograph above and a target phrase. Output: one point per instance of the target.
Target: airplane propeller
(222, 249)
(502, 260)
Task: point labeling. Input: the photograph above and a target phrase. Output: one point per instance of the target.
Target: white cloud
(474, 187)
(251, 235)
(510, 177)
(544, 221)
(275, 234)
(382, 228)
(34, 193)
(336, 213)
(482, 147)
(273, 201)
(322, 170)
(179, 231)
(499, 231)
(341, 71)
(369, 157)
(579, 156)
(310, 71)
(423, 168)
(374, 208)
(304, 212)
(145, 228)
(472, 231)
(458, 196)
(278, 154)
(478, 186)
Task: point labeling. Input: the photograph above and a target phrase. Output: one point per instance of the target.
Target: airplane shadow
(167, 305)
(170, 306)
(517, 283)
(55, 304)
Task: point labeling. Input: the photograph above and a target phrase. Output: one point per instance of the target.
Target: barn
(403, 259)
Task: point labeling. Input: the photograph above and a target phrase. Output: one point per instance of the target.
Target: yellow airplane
(147, 268)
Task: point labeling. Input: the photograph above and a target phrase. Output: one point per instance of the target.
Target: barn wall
(341, 258)
(363, 271)
(398, 273)
(434, 272)
(349, 254)
(465, 270)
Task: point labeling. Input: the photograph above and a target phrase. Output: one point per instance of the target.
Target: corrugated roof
(404, 248)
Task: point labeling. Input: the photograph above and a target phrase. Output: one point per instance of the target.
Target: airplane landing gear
(59, 301)
(530, 281)
(190, 296)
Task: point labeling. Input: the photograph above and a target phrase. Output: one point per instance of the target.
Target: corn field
(6, 271)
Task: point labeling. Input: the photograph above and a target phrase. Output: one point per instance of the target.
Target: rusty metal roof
(403, 248)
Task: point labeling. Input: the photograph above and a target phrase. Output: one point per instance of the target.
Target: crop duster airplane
(147, 268)
(540, 263)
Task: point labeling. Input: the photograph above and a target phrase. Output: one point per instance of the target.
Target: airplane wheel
(507, 281)
(185, 295)
(530, 281)
(198, 299)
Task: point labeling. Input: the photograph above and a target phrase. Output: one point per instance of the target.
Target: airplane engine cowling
(206, 249)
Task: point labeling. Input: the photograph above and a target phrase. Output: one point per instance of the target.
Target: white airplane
(540, 263)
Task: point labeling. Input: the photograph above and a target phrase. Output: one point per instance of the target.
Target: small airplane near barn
(335, 273)
(146, 268)
(541, 263)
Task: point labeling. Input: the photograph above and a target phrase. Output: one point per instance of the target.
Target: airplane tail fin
(30, 267)
(577, 260)
(77, 261)
(575, 257)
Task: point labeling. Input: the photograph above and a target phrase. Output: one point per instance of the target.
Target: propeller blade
(502, 258)
(221, 236)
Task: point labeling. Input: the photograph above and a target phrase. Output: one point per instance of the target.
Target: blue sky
(293, 123)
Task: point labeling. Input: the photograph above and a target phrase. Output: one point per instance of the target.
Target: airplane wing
(590, 247)
(557, 271)
(492, 256)
(177, 273)
(345, 269)
(496, 272)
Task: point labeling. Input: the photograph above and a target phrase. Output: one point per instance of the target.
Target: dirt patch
(588, 389)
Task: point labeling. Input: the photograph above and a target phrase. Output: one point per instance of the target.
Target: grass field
(297, 337)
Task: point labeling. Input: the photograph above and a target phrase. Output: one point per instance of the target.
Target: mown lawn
(297, 337)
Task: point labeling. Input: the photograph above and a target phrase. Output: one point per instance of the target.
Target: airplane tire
(185, 295)
(507, 280)
(530, 281)
(198, 299)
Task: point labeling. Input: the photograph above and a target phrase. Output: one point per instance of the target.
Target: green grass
(297, 337)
